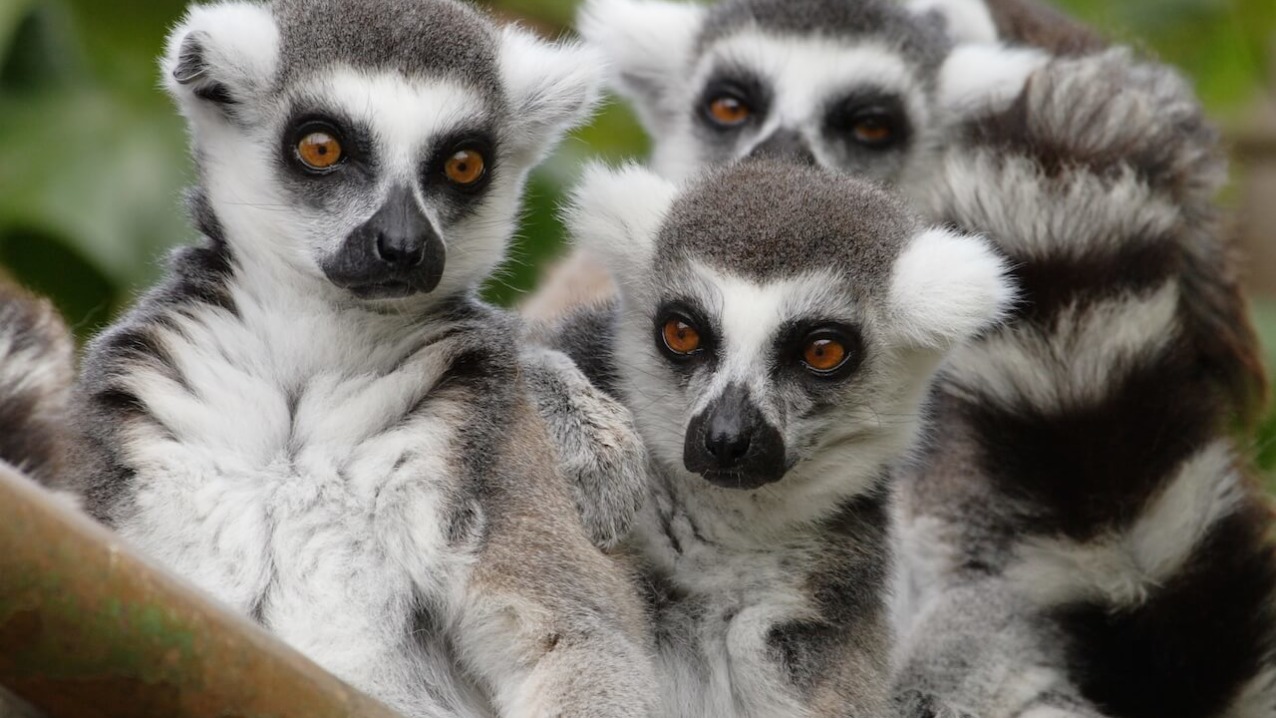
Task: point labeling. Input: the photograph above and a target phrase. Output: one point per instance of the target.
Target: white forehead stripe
(802, 71)
(749, 315)
(403, 114)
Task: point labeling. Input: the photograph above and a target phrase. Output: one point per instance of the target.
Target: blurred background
(93, 158)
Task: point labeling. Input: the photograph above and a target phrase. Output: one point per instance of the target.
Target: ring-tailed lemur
(312, 417)
(992, 649)
(774, 337)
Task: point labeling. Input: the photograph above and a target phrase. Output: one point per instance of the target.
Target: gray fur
(428, 38)
(922, 43)
(36, 371)
(769, 221)
(599, 449)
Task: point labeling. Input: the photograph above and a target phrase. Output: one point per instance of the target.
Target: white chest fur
(715, 651)
(298, 469)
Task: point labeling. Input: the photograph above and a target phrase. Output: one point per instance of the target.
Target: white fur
(1123, 569)
(312, 509)
(946, 287)
(615, 215)
(966, 21)
(1010, 200)
(1090, 350)
(986, 77)
(403, 114)
(240, 42)
(648, 42)
(552, 87)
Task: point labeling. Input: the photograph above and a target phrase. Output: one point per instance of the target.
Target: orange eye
(319, 151)
(680, 337)
(824, 355)
(729, 111)
(465, 167)
(873, 130)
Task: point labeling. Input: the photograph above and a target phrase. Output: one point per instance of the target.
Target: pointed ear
(964, 21)
(220, 56)
(649, 45)
(947, 287)
(552, 87)
(615, 215)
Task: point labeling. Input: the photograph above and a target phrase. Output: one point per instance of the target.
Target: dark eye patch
(869, 118)
(697, 319)
(316, 189)
(454, 200)
(478, 139)
(793, 340)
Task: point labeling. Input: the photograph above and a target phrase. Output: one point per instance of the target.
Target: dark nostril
(400, 252)
(727, 448)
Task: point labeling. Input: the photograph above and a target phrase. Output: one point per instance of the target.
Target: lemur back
(312, 417)
(772, 341)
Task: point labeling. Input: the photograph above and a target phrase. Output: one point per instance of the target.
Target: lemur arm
(1082, 460)
(560, 636)
(599, 449)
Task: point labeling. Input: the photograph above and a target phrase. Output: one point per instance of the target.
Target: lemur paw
(599, 448)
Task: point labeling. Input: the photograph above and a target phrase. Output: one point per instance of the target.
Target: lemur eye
(729, 110)
(824, 352)
(874, 130)
(319, 150)
(465, 167)
(680, 337)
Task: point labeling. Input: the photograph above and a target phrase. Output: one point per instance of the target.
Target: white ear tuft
(615, 215)
(986, 77)
(965, 21)
(553, 87)
(946, 287)
(220, 55)
(649, 44)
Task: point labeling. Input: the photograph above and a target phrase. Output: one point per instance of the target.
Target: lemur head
(845, 84)
(780, 322)
(376, 145)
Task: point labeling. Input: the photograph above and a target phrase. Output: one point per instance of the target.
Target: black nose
(396, 253)
(727, 440)
(399, 250)
(785, 145)
(732, 444)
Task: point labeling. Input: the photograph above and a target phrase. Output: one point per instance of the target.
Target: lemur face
(380, 146)
(779, 323)
(844, 84)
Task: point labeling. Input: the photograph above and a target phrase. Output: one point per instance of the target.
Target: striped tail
(1092, 435)
(36, 374)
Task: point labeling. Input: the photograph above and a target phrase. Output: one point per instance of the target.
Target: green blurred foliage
(93, 160)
